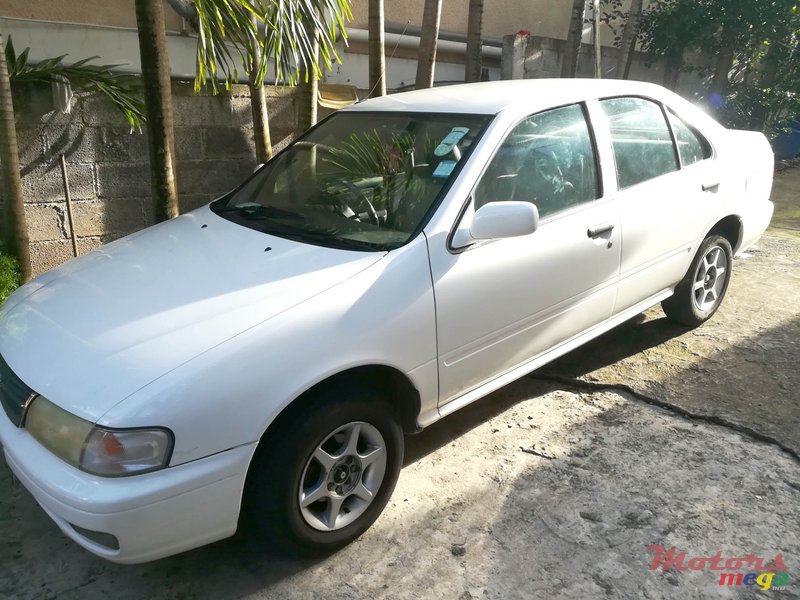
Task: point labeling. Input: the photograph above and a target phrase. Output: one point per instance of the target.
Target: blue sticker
(445, 168)
(450, 140)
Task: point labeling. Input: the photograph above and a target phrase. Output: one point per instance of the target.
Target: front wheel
(698, 296)
(324, 479)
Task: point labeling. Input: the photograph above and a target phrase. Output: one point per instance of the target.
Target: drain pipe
(412, 42)
(68, 198)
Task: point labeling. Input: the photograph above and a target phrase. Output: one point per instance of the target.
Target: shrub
(9, 275)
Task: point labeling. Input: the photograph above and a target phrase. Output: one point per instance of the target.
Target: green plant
(9, 275)
(117, 87)
(753, 44)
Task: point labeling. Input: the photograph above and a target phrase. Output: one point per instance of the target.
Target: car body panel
(246, 382)
(103, 332)
(553, 282)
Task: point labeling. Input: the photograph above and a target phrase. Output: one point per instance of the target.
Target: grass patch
(9, 275)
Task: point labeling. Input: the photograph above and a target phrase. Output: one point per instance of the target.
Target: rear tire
(325, 477)
(698, 296)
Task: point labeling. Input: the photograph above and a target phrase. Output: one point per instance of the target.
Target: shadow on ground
(546, 492)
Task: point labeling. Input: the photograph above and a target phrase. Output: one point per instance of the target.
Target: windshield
(359, 180)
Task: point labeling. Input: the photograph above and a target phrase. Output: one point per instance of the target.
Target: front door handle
(710, 185)
(599, 230)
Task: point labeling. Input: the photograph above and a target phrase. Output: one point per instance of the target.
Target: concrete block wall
(535, 57)
(108, 167)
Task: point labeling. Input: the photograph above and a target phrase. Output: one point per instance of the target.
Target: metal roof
(492, 97)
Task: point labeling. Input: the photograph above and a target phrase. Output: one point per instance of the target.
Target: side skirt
(431, 416)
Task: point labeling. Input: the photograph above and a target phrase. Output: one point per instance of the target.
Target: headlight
(94, 449)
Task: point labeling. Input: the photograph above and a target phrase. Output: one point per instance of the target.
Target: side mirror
(497, 220)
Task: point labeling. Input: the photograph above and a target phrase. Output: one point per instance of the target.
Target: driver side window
(547, 159)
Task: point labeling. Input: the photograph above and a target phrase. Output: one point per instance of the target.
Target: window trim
(703, 139)
(663, 107)
(599, 179)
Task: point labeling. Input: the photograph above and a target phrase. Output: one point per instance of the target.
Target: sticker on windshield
(445, 168)
(450, 140)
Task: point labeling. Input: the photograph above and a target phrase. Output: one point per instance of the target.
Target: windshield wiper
(320, 238)
(253, 210)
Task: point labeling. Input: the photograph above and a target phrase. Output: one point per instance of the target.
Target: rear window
(692, 147)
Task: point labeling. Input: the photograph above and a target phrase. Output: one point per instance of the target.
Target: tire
(698, 296)
(326, 476)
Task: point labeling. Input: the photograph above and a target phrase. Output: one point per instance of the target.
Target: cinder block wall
(108, 167)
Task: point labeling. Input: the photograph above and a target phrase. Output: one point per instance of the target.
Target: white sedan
(258, 360)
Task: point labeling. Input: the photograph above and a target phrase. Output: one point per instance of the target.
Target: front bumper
(151, 516)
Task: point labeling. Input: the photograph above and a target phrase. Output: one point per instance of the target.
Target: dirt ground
(553, 487)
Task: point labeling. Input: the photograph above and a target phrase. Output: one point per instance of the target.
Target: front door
(501, 303)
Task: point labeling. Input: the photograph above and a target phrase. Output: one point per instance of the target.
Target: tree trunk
(16, 228)
(258, 106)
(627, 45)
(719, 83)
(377, 58)
(429, 36)
(572, 46)
(310, 95)
(776, 56)
(158, 105)
(598, 62)
(473, 65)
(671, 73)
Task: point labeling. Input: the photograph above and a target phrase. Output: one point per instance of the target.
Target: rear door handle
(599, 230)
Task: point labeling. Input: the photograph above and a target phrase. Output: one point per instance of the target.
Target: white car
(264, 355)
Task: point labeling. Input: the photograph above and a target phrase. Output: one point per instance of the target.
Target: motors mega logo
(747, 570)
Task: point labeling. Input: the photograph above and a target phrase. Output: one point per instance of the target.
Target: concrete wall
(114, 13)
(500, 17)
(534, 57)
(108, 167)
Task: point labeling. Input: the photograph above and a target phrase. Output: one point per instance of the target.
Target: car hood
(96, 329)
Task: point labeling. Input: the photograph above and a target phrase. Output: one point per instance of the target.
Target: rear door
(667, 192)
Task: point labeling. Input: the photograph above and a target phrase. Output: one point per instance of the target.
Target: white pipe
(406, 41)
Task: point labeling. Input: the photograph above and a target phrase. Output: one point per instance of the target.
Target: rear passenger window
(547, 159)
(642, 142)
(692, 147)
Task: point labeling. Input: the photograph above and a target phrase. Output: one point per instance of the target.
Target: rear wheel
(698, 296)
(324, 479)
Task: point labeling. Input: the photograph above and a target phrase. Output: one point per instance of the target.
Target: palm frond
(119, 88)
(292, 25)
(227, 36)
(230, 32)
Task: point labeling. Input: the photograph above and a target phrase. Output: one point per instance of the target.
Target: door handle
(599, 230)
(710, 185)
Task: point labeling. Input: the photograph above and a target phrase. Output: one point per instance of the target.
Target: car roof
(492, 97)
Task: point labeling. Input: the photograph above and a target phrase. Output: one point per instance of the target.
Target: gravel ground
(553, 487)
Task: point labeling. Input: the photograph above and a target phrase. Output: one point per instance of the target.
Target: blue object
(787, 143)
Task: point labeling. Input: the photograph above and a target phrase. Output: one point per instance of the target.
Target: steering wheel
(360, 201)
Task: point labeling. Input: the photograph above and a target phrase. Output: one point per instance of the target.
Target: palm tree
(473, 66)
(15, 69)
(569, 64)
(158, 106)
(377, 58)
(426, 63)
(297, 36)
(16, 231)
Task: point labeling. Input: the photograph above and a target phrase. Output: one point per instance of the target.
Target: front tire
(698, 296)
(326, 476)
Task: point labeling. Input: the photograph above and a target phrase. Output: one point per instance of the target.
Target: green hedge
(9, 275)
